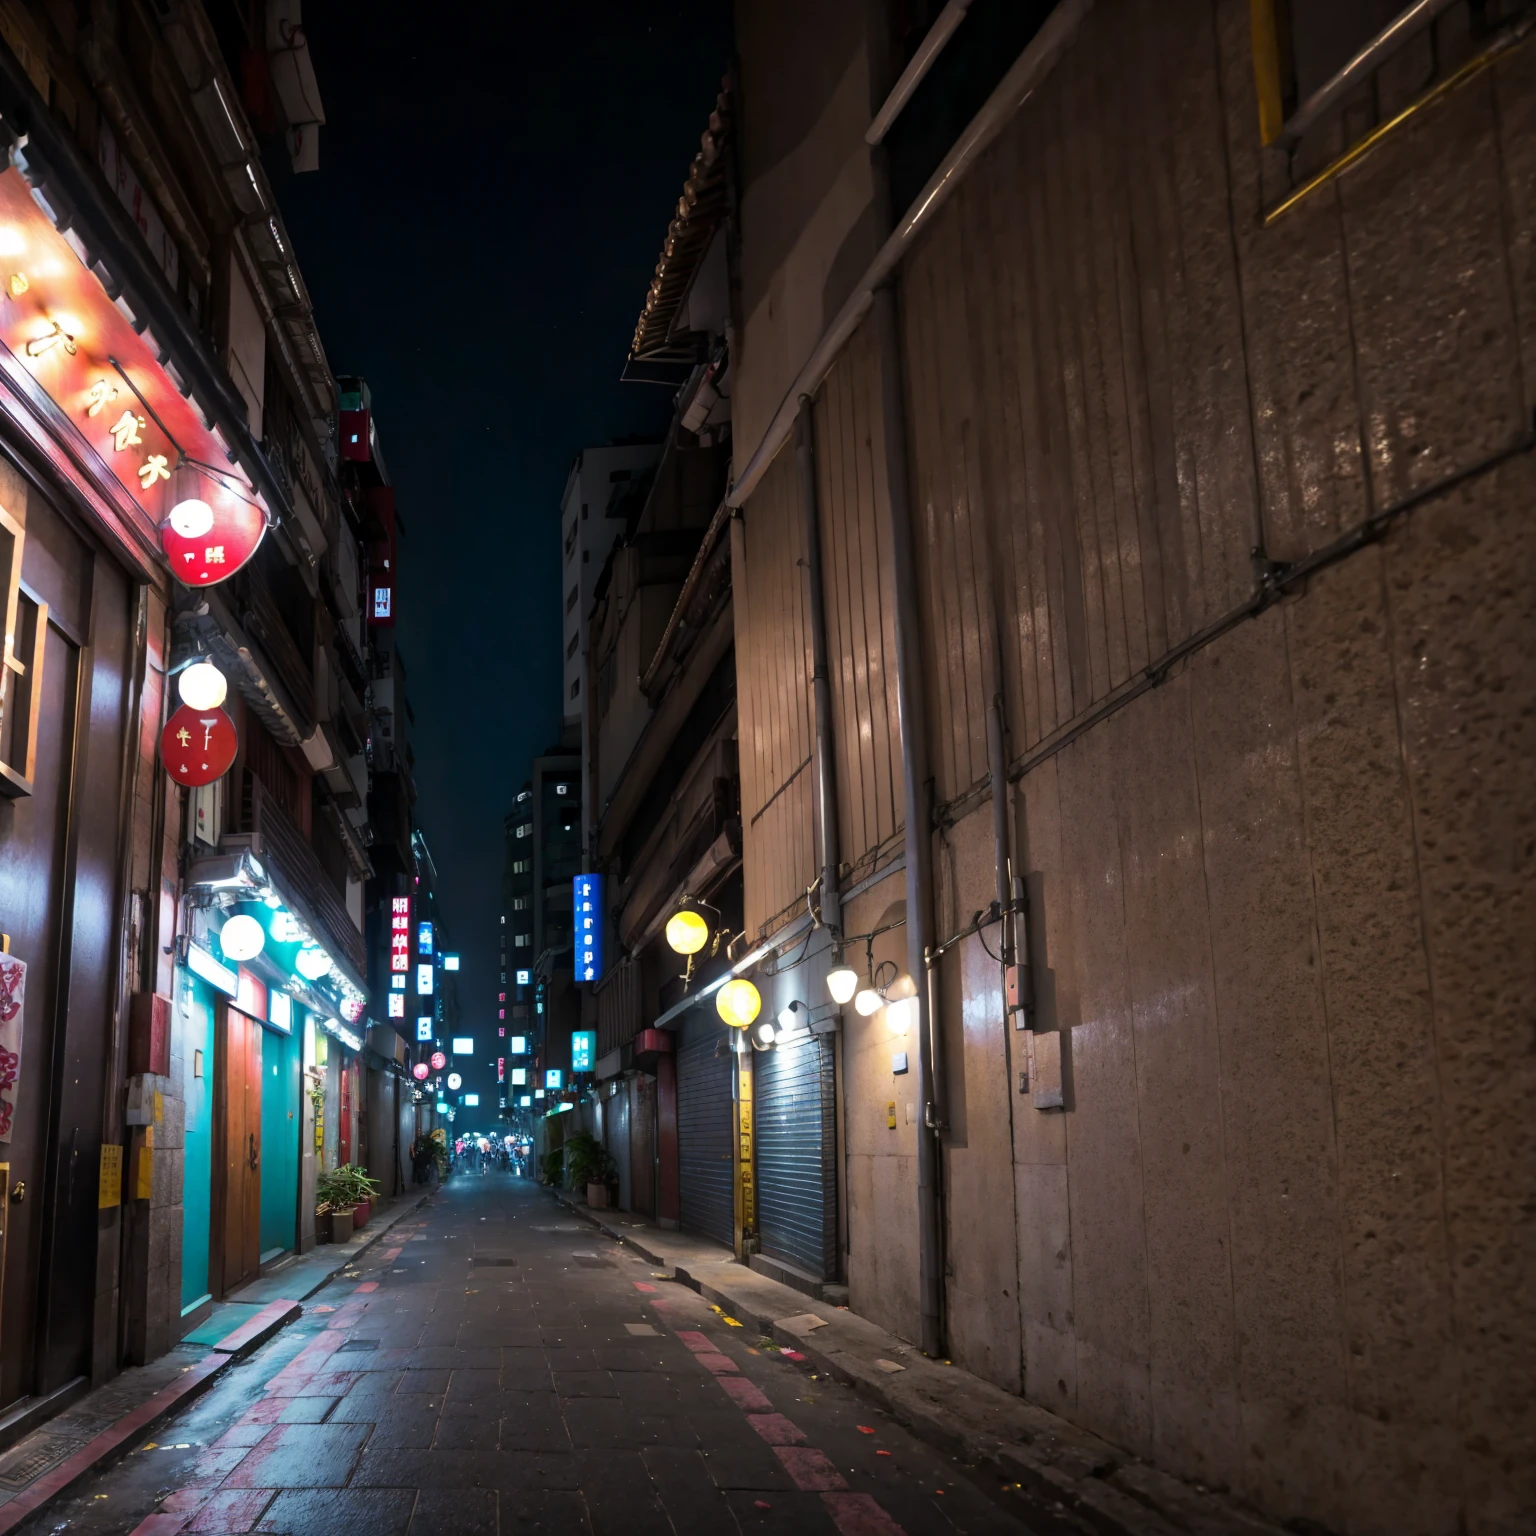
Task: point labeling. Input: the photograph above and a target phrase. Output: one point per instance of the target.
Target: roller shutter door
(704, 1137)
(797, 1155)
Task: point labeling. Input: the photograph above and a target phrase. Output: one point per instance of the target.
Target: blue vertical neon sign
(587, 926)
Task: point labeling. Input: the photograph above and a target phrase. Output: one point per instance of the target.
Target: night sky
(495, 183)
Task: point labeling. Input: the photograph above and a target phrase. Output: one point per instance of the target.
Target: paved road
(498, 1366)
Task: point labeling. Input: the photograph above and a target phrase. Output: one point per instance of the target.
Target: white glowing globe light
(842, 983)
(868, 1001)
(455, 1081)
(202, 686)
(312, 964)
(191, 518)
(241, 938)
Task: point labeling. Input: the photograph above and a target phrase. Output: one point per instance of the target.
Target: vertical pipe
(919, 848)
(821, 684)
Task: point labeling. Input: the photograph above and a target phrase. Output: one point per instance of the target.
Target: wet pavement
(498, 1366)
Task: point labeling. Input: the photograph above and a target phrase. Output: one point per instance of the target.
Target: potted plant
(346, 1194)
(589, 1164)
(552, 1168)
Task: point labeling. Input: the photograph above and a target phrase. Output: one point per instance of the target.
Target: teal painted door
(280, 1074)
(196, 1027)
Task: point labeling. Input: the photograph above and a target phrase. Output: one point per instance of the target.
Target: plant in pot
(345, 1195)
(552, 1168)
(589, 1164)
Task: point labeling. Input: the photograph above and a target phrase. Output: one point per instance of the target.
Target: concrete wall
(1277, 1238)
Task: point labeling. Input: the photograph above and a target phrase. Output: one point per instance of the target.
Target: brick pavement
(499, 1368)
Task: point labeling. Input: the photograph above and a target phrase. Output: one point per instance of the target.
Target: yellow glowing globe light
(191, 518)
(867, 1001)
(842, 983)
(202, 686)
(738, 1003)
(241, 938)
(687, 932)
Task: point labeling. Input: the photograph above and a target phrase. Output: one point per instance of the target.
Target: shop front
(270, 1073)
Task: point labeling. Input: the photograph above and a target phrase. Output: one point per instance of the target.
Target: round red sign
(439, 1061)
(420, 1071)
(198, 745)
(207, 538)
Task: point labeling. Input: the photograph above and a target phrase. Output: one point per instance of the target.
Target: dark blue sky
(495, 182)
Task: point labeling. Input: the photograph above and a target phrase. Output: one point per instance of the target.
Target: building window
(570, 649)
(520, 867)
(523, 940)
(570, 599)
(520, 903)
(575, 687)
(525, 830)
(570, 540)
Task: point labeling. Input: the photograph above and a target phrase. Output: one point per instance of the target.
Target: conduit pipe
(919, 822)
(932, 45)
(821, 685)
(1018, 85)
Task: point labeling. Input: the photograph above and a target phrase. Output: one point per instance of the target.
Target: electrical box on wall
(149, 1034)
(1042, 1081)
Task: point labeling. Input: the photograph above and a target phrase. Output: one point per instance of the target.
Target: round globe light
(241, 938)
(738, 1002)
(455, 1081)
(202, 686)
(687, 932)
(312, 964)
(842, 983)
(764, 1033)
(419, 1071)
(867, 1001)
(899, 1013)
(191, 518)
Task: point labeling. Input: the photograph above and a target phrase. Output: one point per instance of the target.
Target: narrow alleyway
(499, 1366)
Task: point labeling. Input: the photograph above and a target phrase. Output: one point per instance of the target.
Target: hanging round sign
(209, 536)
(439, 1061)
(197, 746)
(420, 1071)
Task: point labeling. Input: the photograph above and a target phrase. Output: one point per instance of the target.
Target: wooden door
(238, 1127)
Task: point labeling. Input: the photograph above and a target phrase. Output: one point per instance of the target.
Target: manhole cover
(352, 1346)
(29, 1461)
(502, 1259)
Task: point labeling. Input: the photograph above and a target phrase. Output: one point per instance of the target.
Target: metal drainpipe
(826, 787)
(919, 849)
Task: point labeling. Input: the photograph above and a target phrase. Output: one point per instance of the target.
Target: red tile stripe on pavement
(854, 1514)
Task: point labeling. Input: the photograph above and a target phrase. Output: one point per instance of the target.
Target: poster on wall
(13, 986)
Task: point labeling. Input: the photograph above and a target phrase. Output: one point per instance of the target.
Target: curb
(154, 1410)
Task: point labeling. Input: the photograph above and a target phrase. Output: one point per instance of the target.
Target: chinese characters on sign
(583, 1048)
(424, 1028)
(424, 939)
(424, 980)
(198, 745)
(587, 912)
(400, 933)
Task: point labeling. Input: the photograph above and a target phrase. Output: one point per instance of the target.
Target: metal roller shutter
(797, 1155)
(705, 1138)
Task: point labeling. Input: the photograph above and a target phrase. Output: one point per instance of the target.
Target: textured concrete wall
(1279, 1237)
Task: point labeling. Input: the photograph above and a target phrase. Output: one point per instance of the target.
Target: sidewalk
(1067, 1480)
(101, 1424)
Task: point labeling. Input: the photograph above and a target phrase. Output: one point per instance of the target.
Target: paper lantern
(312, 964)
(439, 1061)
(419, 1071)
(241, 938)
(687, 932)
(738, 1003)
(197, 746)
(210, 532)
(202, 686)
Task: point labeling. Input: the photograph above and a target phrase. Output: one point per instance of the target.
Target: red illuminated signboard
(198, 745)
(400, 933)
(62, 331)
(439, 1061)
(420, 1071)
